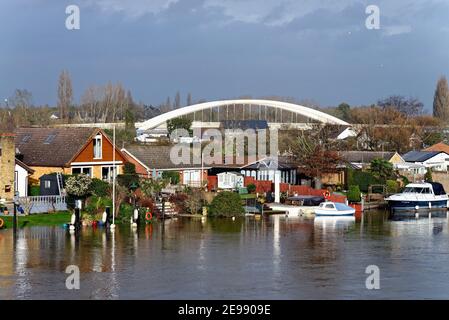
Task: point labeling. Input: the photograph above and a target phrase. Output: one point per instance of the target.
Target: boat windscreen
(416, 190)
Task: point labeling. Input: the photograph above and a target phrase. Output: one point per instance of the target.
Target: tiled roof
(440, 146)
(364, 156)
(51, 147)
(419, 156)
(157, 157)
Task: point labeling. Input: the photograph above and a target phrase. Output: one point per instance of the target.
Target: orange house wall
(87, 155)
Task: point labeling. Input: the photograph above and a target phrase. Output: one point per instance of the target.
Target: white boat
(334, 209)
(419, 196)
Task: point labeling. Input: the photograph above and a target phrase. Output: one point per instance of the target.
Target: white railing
(42, 204)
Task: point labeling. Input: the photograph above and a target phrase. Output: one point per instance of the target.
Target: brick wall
(7, 165)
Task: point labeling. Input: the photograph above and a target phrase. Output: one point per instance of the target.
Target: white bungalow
(230, 180)
(21, 174)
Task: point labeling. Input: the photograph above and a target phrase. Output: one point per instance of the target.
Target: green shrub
(126, 212)
(392, 186)
(428, 176)
(226, 204)
(128, 179)
(96, 204)
(405, 180)
(100, 188)
(78, 185)
(172, 176)
(129, 168)
(354, 194)
(251, 188)
(363, 179)
(35, 191)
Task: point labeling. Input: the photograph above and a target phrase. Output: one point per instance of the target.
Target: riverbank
(45, 219)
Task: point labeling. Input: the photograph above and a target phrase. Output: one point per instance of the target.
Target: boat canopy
(341, 206)
(438, 188)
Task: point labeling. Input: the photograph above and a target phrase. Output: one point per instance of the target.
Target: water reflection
(258, 258)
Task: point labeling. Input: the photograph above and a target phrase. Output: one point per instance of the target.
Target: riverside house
(153, 161)
(67, 151)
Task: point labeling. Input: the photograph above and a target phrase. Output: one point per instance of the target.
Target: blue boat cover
(341, 206)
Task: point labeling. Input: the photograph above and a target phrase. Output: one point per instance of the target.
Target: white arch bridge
(209, 114)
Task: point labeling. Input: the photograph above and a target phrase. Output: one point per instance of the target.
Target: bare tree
(65, 94)
(90, 104)
(407, 106)
(189, 99)
(177, 103)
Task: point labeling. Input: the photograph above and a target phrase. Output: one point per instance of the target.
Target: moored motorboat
(416, 196)
(334, 209)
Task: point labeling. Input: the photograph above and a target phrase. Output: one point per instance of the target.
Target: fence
(42, 204)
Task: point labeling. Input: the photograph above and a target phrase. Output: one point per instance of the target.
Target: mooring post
(108, 217)
(77, 218)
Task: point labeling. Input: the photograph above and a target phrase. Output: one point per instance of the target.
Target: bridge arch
(290, 107)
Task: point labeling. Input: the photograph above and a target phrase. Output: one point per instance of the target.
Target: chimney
(7, 165)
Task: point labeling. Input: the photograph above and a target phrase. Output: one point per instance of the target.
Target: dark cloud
(219, 49)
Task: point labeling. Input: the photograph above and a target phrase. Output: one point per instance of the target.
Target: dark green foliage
(129, 176)
(392, 186)
(172, 176)
(96, 204)
(251, 188)
(126, 212)
(428, 176)
(129, 168)
(344, 111)
(381, 168)
(363, 179)
(100, 188)
(405, 180)
(226, 204)
(179, 123)
(354, 194)
(35, 191)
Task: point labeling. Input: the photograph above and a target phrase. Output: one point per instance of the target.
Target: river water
(267, 258)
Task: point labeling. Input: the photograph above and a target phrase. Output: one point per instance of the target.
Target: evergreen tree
(441, 100)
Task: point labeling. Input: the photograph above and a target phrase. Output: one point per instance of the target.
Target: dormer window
(98, 147)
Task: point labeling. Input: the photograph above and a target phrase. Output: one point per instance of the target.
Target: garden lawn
(45, 219)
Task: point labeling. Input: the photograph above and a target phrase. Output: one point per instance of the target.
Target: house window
(97, 147)
(107, 173)
(49, 138)
(85, 170)
(47, 184)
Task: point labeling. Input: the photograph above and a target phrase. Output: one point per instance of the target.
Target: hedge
(363, 179)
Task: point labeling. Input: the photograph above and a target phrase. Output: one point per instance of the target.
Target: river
(268, 258)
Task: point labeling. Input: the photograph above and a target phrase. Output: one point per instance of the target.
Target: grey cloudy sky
(306, 49)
